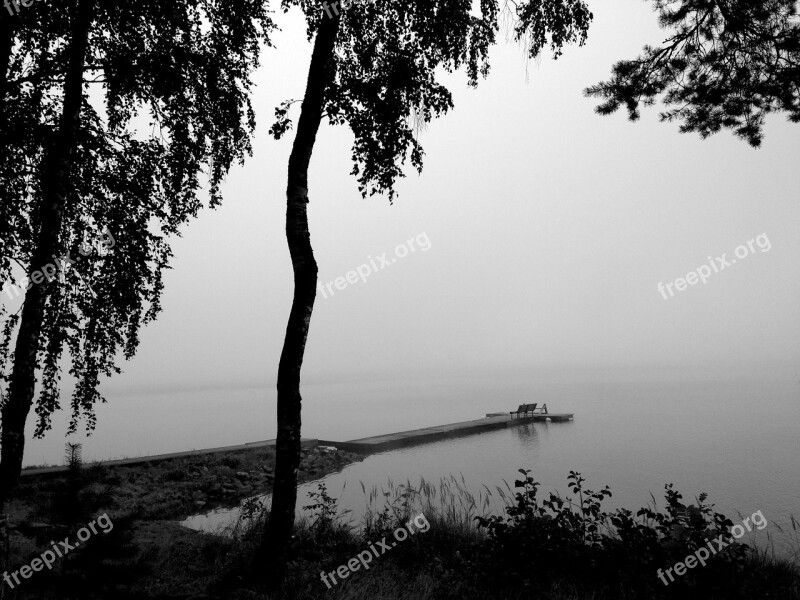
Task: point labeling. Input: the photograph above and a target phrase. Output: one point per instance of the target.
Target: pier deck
(381, 443)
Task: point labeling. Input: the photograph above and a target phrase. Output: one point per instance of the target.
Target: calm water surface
(739, 442)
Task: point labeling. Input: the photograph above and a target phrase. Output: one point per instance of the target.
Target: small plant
(323, 506)
(251, 508)
(325, 514)
(72, 508)
(73, 456)
(252, 515)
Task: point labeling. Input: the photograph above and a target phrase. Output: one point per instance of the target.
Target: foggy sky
(549, 229)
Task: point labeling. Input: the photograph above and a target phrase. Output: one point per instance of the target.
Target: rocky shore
(167, 489)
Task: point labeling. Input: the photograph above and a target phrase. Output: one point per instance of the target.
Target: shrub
(574, 539)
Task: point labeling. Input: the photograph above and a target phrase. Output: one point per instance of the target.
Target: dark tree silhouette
(373, 69)
(284, 497)
(56, 165)
(727, 64)
(66, 168)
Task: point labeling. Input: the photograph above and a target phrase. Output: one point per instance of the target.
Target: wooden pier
(382, 443)
(369, 445)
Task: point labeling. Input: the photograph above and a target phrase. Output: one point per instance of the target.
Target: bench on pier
(525, 409)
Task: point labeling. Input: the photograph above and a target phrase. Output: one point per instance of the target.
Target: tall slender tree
(69, 165)
(726, 64)
(320, 76)
(375, 68)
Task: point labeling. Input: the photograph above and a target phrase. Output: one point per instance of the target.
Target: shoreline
(368, 445)
(156, 458)
(163, 488)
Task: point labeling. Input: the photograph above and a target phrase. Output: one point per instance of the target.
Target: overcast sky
(548, 229)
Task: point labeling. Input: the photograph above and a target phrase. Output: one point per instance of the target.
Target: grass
(543, 547)
(148, 555)
(461, 556)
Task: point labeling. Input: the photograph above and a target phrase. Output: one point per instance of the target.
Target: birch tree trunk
(54, 185)
(287, 461)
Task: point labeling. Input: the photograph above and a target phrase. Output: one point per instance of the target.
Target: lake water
(739, 441)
